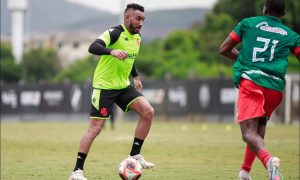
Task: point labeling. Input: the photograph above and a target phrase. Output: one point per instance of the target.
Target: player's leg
(100, 111)
(250, 135)
(131, 99)
(250, 104)
(259, 102)
(84, 147)
(246, 166)
(273, 163)
(146, 112)
(273, 99)
(249, 130)
(261, 128)
(87, 139)
(249, 154)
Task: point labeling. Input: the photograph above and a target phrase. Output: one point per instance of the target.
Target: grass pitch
(179, 150)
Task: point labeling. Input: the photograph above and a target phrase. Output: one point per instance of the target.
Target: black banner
(171, 98)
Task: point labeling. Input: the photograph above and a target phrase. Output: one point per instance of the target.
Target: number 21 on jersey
(266, 45)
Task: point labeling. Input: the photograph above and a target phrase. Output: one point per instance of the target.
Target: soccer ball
(130, 169)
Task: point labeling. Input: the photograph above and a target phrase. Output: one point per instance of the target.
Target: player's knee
(96, 130)
(148, 113)
(246, 136)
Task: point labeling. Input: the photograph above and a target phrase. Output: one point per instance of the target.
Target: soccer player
(117, 48)
(259, 73)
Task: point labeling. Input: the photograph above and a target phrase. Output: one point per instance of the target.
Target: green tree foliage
(292, 16)
(79, 71)
(241, 9)
(40, 65)
(194, 53)
(174, 55)
(179, 54)
(216, 28)
(150, 58)
(236, 9)
(10, 71)
(184, 54)
(6, 51)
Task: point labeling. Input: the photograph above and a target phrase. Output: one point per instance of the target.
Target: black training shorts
(102, 101)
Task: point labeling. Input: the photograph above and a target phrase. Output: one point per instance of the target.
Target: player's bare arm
(227, 48)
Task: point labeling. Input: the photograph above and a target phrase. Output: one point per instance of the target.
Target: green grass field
(180, 150)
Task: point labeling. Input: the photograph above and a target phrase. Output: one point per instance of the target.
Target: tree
(10, 71)
(236, 9)
(149, 59)
(180, 55)
(79, 71)
(215, 29)
(241, 9)
(292, 16)
(40, 65)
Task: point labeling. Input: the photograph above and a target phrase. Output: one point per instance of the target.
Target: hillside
(48, 16)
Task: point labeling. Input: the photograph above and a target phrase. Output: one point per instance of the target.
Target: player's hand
(138, 84)
(120, 54)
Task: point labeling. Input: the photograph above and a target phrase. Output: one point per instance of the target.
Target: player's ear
(127, 17)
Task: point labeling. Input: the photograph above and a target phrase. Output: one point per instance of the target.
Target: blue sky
(114, 6)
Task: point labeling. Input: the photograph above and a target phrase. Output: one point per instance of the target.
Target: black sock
(136, 146)
(80, 161)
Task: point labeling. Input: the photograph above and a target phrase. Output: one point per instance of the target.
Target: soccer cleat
(273, 168)
(142, 161)
(77, 175)
(244, 175)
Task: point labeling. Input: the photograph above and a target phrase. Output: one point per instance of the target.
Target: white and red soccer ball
(130, 169)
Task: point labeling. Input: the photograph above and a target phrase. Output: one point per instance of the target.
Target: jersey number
(256, 49)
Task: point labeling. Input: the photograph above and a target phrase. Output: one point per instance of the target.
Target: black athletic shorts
(102, 101)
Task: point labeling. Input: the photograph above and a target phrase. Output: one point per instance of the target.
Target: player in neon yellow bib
(117, 48)
(259, 73)
(111, 73)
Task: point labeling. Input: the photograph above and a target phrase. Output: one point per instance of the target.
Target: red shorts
(256, 101)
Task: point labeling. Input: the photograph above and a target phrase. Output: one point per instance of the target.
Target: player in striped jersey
(259, 73)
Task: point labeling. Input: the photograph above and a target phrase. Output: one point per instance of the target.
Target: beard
(134, 30)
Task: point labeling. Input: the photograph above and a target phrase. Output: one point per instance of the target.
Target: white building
(70, 46)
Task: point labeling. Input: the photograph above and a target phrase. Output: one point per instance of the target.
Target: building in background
(70, 46)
